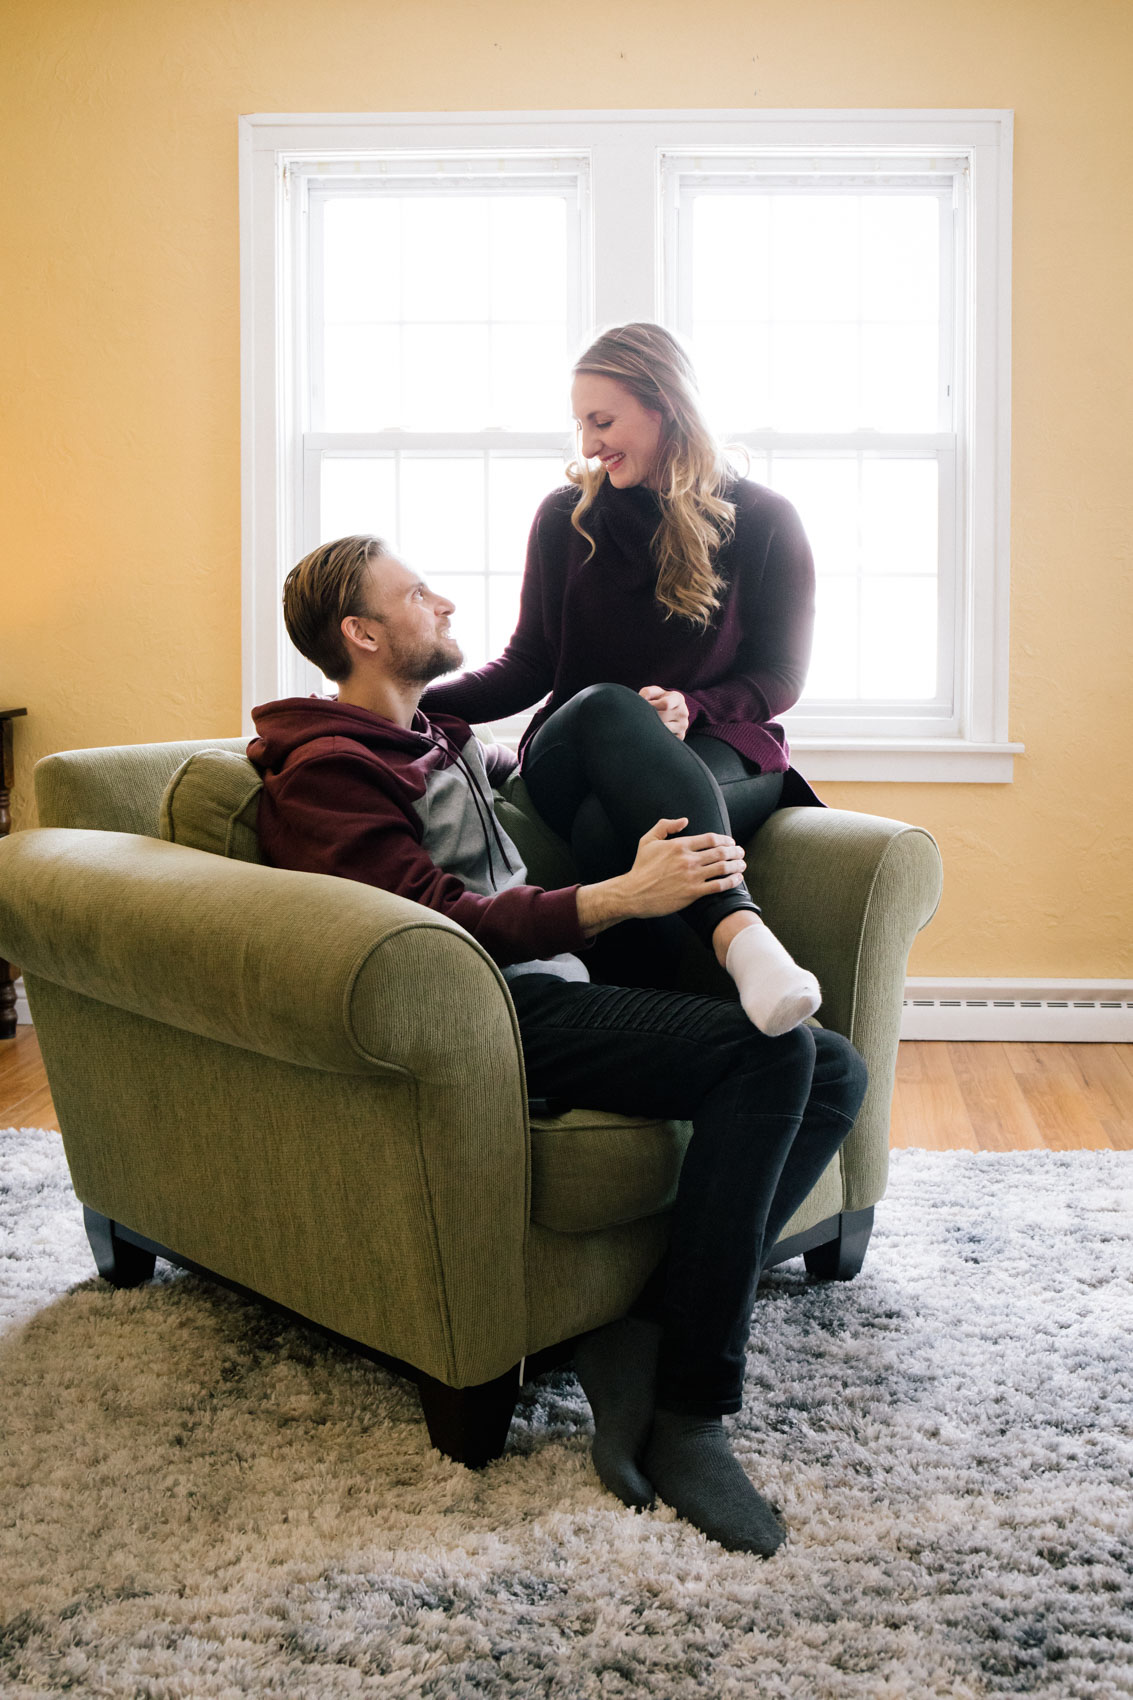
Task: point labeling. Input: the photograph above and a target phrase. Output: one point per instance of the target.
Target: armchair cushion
(547, 858)
(212, 803)
(594, 1169)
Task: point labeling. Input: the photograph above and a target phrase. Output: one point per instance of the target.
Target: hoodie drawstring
(481, 804)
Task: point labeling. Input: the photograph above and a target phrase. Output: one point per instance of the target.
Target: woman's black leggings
(604, 768)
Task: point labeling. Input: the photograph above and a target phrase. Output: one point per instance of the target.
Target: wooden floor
(997, 1097)
(25, 1100)
(988, 1097)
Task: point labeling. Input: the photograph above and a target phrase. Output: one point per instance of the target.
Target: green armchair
(314, 1091)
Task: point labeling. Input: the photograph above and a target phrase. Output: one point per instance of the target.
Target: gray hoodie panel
(462, 836)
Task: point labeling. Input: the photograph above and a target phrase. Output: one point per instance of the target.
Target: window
(415, 288)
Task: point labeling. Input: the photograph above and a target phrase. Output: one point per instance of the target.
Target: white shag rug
(198, 1499)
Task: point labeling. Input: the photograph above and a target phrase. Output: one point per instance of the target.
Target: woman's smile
(616, 429)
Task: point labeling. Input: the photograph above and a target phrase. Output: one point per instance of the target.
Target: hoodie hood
(433, 770)
(290, 725)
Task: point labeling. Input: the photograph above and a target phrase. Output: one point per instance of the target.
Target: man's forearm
(602, 905)
(668, 874)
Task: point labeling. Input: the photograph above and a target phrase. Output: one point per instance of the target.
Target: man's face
(410, 624)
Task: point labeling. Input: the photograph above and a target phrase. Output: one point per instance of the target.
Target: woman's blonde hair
(691, 472)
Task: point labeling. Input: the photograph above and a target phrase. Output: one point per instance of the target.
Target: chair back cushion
(547, 859)
(212, 803)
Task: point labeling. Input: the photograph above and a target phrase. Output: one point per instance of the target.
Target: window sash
(312, 185)
(685, 179)
(816, 717)
(813, 717)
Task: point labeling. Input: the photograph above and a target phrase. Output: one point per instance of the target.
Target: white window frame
(626, 152)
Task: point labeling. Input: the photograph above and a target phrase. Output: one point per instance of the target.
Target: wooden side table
(7, 978)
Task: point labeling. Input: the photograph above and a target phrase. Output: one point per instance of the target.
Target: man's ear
(360, 631)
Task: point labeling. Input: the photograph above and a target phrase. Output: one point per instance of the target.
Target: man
(369, 788)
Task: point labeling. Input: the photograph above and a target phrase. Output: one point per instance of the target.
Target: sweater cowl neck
(629, 518)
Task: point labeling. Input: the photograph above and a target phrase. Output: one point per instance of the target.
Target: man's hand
(667, 875)
(670, 705)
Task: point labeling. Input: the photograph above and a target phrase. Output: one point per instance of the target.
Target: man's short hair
(321, 591)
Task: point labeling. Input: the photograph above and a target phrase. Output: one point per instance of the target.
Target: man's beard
(425, 662)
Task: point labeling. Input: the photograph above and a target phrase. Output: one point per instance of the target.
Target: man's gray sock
(694, 1470)
(617, 1366)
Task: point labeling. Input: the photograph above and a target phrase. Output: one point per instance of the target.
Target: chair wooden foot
(117, 1261)
(469, 1424)
(7, 1001)
(840, 1259)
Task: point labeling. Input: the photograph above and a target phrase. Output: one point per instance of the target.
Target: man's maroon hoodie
(347, 792)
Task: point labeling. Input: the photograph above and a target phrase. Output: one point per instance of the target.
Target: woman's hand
(670, 705)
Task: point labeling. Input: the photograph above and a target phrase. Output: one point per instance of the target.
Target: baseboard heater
(1025, 1011)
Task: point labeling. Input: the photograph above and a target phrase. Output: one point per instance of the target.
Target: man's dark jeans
(768, 1116)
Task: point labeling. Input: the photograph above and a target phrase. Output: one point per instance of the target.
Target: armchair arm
(330, 979)
(847, 893)
(294, 966)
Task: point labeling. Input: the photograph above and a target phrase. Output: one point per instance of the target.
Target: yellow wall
(119, 324)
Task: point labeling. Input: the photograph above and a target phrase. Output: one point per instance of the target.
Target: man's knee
(790, 1056)
(839, 1065)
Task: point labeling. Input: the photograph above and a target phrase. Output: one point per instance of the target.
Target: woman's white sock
(775, 992)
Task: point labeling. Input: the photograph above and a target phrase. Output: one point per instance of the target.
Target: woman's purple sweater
(584, 622)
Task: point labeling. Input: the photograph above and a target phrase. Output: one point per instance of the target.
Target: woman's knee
(604, 703)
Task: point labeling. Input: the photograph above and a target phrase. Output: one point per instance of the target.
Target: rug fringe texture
(201, 1500)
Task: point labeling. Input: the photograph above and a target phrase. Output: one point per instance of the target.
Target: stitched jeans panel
(768, 1116)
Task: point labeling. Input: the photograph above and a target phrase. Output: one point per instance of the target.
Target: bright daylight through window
(833, 364)
(432, 280)
(449, 309)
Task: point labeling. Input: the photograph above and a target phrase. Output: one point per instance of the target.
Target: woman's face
(616, 429)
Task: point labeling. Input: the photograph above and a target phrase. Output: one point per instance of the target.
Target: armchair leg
(117, 1261)
(840, 1259)
(469, 1424)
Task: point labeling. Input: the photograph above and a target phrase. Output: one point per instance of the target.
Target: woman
(658, 563)
(666, 614)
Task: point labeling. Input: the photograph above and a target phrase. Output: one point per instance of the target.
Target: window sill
(897, 761)
(905, 761)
